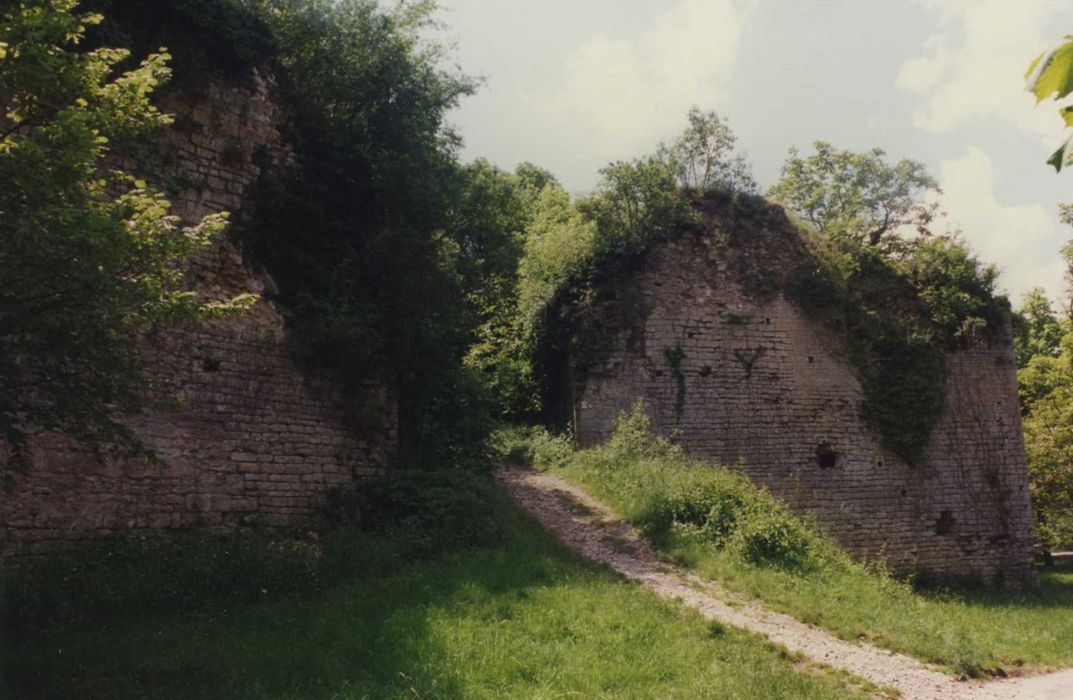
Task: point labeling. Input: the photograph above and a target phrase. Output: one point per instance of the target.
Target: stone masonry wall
(762, 383)
(248, 437)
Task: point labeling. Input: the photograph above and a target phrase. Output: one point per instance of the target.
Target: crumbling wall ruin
(735, 376)
(249, 437)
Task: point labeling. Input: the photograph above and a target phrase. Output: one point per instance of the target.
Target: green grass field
(716, 524)
(522, 618)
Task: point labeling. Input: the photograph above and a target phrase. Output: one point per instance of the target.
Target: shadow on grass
(369, 638)
(1055, 591)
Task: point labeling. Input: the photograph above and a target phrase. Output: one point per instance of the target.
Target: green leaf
(1067, 114)
(1032, 67)
(1051, 74)
(1062, 156)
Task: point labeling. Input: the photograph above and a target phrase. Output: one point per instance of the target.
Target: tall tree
(1038, 331)
(857, 198)
(703, 155)
(1046, 388)
(89, 255)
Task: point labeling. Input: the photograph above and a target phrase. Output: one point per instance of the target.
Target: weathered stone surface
(251, 438)
(764, 384)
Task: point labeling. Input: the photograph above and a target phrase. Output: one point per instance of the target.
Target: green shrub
(771, 537)
(707, 508)
(531, 446)
(669, 495)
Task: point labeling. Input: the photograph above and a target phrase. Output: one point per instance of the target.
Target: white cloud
(625, 93)
(1023, 239)
(974, 65)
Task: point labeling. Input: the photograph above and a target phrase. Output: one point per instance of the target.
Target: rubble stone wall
(758, 382)
(247, 436)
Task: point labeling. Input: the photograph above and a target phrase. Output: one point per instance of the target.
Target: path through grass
(714, 523)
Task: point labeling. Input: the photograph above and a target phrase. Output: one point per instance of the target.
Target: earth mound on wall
(711, 331)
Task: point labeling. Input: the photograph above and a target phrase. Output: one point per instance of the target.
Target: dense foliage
(905, 295)
(228, 37)
(856, 199)
(1044, 348)
(89, 256)
(380, 273)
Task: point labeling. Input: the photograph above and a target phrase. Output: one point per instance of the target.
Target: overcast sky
(572, 85)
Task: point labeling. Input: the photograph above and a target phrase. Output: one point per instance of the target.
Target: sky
(572, 85)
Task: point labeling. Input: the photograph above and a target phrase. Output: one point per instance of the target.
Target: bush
(771, 537)
(710, 509)
(667, 494)
(723, 510)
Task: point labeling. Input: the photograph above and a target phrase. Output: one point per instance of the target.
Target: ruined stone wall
(248, 437)
(758, 381)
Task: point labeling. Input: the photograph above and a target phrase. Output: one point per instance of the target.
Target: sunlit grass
(972, 631)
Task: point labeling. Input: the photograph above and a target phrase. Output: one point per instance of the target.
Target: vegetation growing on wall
(572, 247)
(228, 37)
(390, 257)
(674, 356)
(903, 295)
(89, 256)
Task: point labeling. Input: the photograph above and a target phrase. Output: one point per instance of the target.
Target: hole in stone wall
(904, 491)
(706, 370)
(826, 457)
(233, 155)
(945, 524)
(811, 359)
(210, 365)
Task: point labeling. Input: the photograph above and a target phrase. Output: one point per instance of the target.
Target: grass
(700, 514)
(520, 617)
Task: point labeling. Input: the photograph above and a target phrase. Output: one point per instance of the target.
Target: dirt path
(589, 527)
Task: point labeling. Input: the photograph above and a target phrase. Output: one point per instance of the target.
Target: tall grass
(713, 520)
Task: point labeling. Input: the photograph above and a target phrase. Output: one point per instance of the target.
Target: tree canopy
(856, 197)
(1044, 350)
(703, 155)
